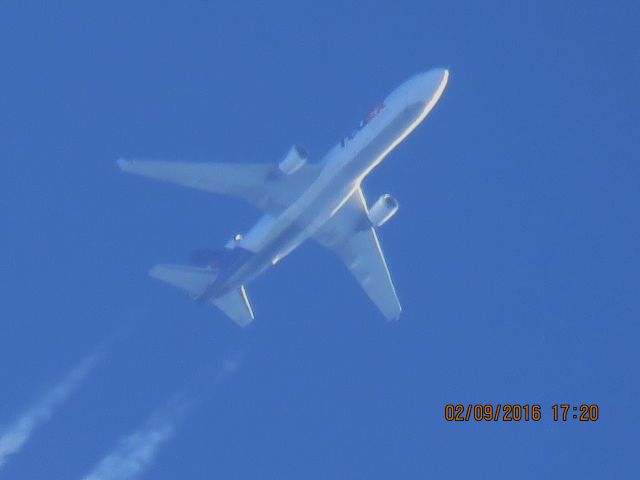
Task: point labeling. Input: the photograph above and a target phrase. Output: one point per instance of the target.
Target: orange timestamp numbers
(517, 412)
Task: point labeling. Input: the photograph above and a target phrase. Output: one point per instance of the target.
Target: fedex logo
(373, 114)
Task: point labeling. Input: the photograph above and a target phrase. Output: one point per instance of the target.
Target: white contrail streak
(14, 437)
(135, 452)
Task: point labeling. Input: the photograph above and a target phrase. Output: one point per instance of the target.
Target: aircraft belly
(285, 235)
(261, 260)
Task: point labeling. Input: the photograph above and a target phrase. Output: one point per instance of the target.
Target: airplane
(302, 201)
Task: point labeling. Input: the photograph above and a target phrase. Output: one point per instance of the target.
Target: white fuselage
(343, 169)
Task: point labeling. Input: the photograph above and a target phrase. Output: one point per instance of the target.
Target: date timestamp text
(519, 412)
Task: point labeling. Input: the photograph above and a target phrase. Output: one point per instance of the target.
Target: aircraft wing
(262, 185)
(350, 235)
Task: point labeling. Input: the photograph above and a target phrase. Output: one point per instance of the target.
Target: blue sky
(515, 252)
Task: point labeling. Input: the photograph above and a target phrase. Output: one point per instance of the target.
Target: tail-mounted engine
(294, 161)
(381, 211)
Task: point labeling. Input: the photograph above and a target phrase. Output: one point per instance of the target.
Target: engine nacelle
(381, 211)
(295, 159)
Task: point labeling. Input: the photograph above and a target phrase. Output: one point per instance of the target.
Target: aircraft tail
(196, 280)
(193, 280)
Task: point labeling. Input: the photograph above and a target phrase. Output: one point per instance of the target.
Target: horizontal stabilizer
(196, 280)
(236, 306)
(193, 280)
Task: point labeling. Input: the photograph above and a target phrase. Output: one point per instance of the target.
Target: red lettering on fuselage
(373, 114)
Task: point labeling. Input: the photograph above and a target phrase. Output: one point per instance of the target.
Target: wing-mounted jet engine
(294, 161)
(381, 211)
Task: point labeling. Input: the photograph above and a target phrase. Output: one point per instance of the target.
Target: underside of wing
(350, 235)
(264, 186)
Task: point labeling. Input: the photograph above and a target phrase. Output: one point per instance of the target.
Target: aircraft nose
(428, 86)
(425, 88)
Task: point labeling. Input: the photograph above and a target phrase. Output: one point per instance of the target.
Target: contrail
(14, 437)
(135, 452)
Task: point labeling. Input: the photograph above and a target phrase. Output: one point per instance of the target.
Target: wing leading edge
(350, 235)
